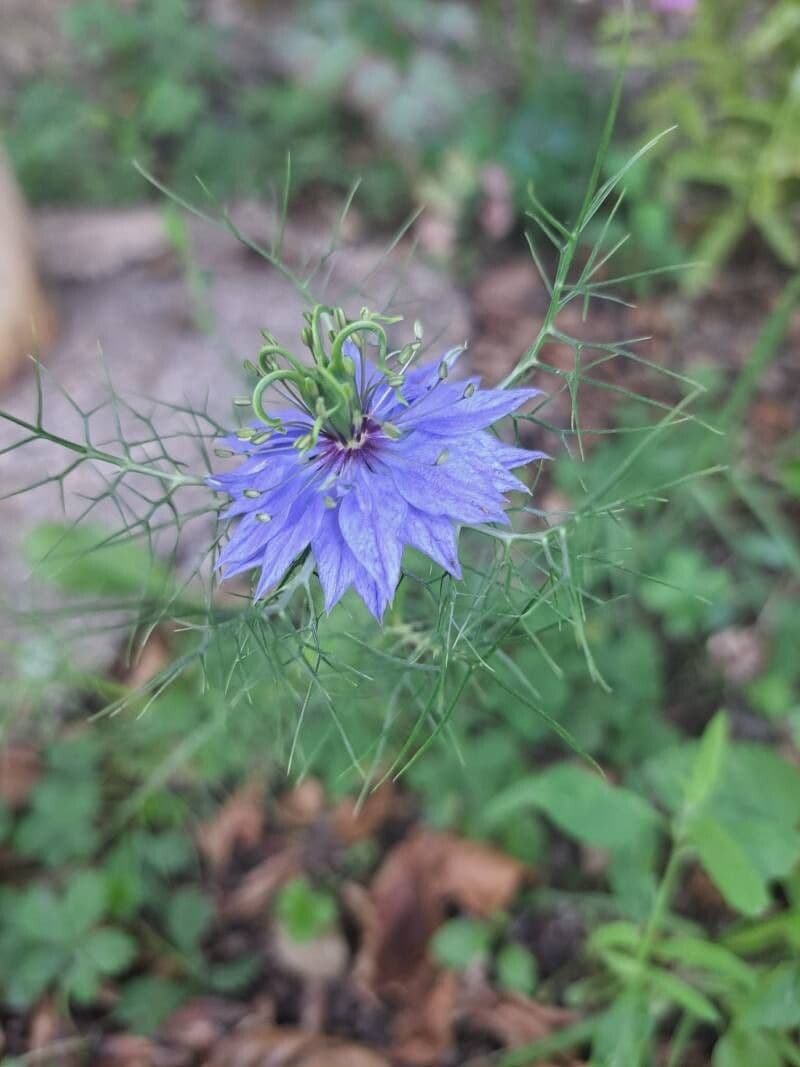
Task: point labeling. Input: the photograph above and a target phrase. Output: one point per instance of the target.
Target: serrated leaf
(110, 950)
(189, 916)
(146, 1002)
(84, 902)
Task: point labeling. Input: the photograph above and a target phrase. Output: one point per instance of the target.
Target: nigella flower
(367, 460)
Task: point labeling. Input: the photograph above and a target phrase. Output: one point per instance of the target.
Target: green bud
(252, 494)
(392, 431)
(329, 502)
(242, 401)
(442, 457)
(262, 516)
(443, 371)
(223, 453)
(469, 391)
(260, 438)
(245, 434)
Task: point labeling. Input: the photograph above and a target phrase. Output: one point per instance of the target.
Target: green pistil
(325, 389)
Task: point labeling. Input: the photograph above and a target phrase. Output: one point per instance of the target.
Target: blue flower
(409, 464)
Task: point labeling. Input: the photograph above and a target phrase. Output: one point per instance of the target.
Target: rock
(27, 322)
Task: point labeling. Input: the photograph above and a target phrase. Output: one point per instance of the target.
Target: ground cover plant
(542, 810)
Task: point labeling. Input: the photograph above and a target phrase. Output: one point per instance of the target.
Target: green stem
(90, 453)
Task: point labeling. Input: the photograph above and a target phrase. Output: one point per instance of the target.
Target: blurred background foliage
(429, 103)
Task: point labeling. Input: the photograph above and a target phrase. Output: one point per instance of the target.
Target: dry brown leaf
(255, 890)
(422, 1030)
(509, 1017)
(352, 825)
(303, 804)
(238, 823)
(127, 1050)
(269, 1046)
(152, 658)
(198, 1024)
(407, 901)
(20, 769)
(415, 883)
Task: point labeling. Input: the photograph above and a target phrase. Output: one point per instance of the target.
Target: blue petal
(336, 567)
(303, 521)
(463, 414)
(435, 536)
(370, 519)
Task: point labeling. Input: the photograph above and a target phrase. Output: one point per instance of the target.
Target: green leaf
(84, 902)
(235, 976)
(694, 952)
(33, 973)
(82, 979)
(624, 1033)
(146, 1002)
(38, 916)
(580, 803)
(109, 949)
(189, 916)
(775, 1004)
(708, 762)
(460, 942)
(516, 969)
(81, 560)
(745, 1048)
(665, 984)
(304, 912)
(728, 866)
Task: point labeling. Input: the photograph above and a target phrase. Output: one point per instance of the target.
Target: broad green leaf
(708, 762)
(82, 560)
(39, 917)
(460, 942)
(146, 1002)
(745, 1048)
(189, 915)
(580, 803)
(84, 902)
(728, 866)
(775, 1003)
(33, 973)
(516, 969)
(82, 979)
(110, 950)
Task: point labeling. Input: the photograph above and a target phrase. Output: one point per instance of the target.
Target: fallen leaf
(422, 1029)
(738, 652)
(268, 1046)
(352, 824)
(303, 804)
(508, 1017)
(238, 823)
(20, 769)
(255, 890)
(198, 1024)
(410, 893)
